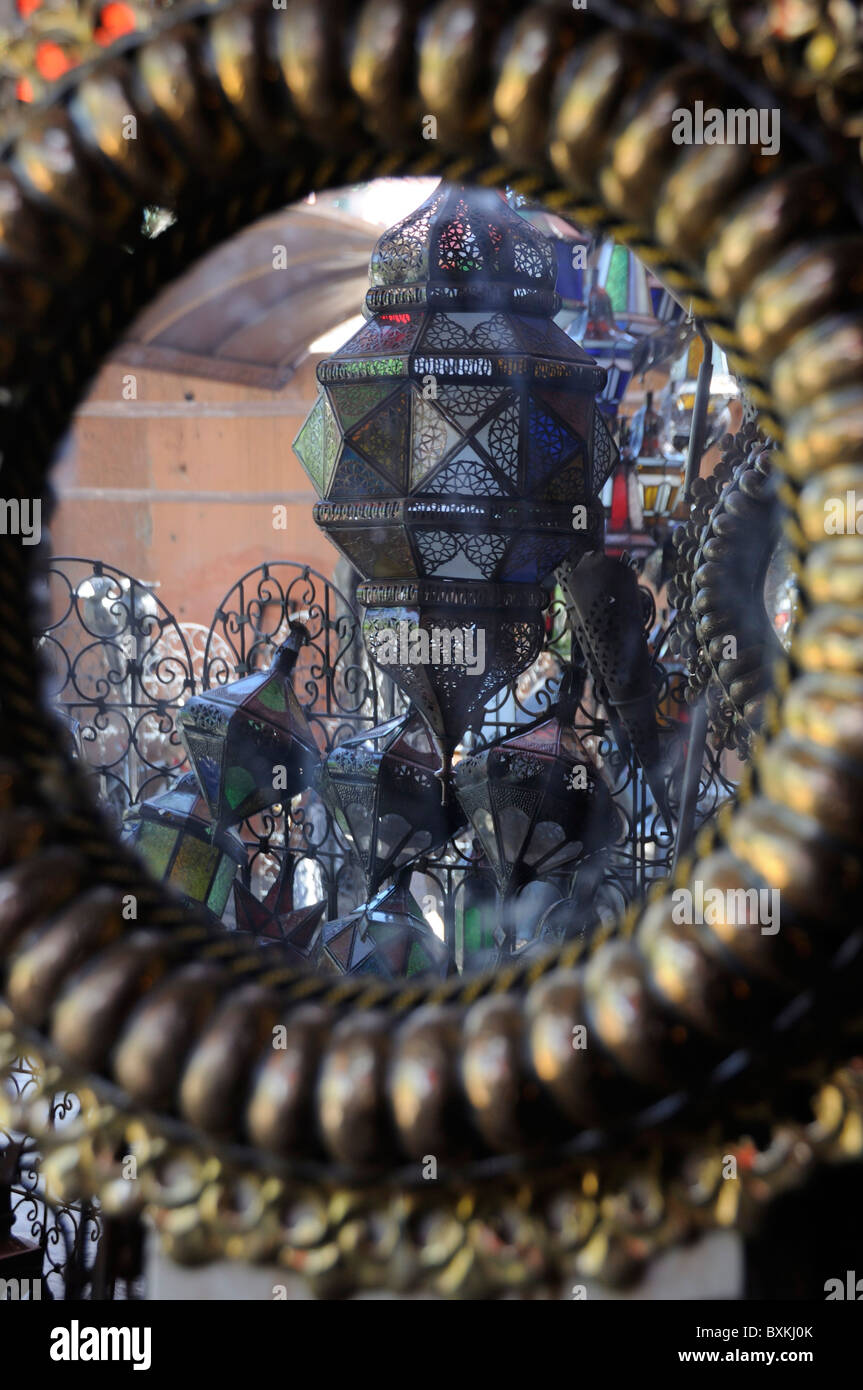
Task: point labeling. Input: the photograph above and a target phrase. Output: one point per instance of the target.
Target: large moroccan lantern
(458, 450)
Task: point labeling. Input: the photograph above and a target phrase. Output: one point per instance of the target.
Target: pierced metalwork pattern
(433, 438)
(469, 333)
(468, 403)
(465, 476)
(448, 238)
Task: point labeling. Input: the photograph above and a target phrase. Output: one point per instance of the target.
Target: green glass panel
(309, 445)
(616, 284)
(371, 367)
(418, 961)
(221, 885)
(272, 695)
(193, 867)
(238, 785)
(155, 844)
(477, 936)
(354, 400)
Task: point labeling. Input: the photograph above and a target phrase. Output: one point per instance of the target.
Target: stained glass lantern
(724, 388)
(250, 742)
(176, 837)
(537, 801)
(660, 480)
(383, 789)
(275, 918)
(387, 937)
(455, 433)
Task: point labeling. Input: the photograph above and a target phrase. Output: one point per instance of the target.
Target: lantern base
(451, 646)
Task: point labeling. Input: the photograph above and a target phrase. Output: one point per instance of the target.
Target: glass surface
(781, 594)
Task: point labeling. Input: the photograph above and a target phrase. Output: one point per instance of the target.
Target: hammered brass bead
(309, 48)
(539, 43)
(216, 1074)
(827, 709)
(241, 47)
(625, 1020)
(51, 158)
(815, 876)
(458, 37)
(35, 888)
(588, 95)
(826, 433)
(94, 1004)
(814, 782)
(351, 1097)
(833, 571)
(100, 110)
(796, 205)
(825, 499)
(494, 1073)
(643, 152)
(830, 639)
(804, 284)
(33, 238)
(46, 956)
(152, 1048)
(280, 1107)
(780, 958)
(698, 193)
(381, 68)
(559, 1044)
(695, 984)
(170, 86)
(423, 1084)
(823, 358)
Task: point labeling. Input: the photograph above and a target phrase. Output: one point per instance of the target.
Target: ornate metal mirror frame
(551, 1158)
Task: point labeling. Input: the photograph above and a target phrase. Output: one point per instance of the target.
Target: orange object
(115, 19)
(51, 61)
(24, 89)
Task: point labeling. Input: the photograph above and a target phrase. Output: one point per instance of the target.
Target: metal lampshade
(383, 789)
(241, 736)
(175, 835)
(536, 801)
(453, 436)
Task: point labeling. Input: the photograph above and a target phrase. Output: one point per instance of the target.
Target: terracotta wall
(187, 435)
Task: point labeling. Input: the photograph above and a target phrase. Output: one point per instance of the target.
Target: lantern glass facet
(537, 802)
(387, 937)
(175, 835)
